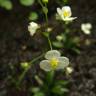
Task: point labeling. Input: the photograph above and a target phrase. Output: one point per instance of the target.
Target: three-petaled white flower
(54, 61)
(32, 28)
(86, 28)
(65, 13)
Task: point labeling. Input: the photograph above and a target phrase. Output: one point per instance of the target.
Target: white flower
(65, 13)
(86, 28)
(32, 28)
(54, 61)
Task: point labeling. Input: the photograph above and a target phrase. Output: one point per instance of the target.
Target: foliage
(50, 86)
(67, 41)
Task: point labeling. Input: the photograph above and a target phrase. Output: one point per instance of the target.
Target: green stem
(25, 71)
(50, 77)
(49, 41)
(46, 14)
(39, 1)
(46, 18)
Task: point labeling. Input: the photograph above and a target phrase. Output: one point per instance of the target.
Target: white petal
(51, 54)
(31, 30)
(87, 31)
(33, 24)
(60, 14)
(59, 11)
(88, 26)
(67, 9)
(82, 27)
(44, 65)
(58, 17)
(63, 62)
(69, 19)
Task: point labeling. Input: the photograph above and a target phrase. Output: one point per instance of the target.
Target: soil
(16, 45)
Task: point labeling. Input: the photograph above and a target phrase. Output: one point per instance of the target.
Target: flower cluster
(64, 13)
(54, 60)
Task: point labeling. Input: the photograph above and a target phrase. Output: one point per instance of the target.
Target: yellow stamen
(66, 13)
(54, 62)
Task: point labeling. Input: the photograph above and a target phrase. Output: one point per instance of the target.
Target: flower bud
(45, 1)
(24, 65)
(69, 70)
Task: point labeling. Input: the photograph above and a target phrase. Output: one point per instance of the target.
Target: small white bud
(32, 28)
(69, 70)
(86, 28)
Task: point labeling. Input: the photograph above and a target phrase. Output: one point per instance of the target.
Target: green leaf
(62, 82)
(58, 44)
(46, 34)
(33, 16)
(7, 4)
(76, 40)
(59, 90)
(27, 2)
(39, 94)
(65, 1)
(76, 50)
(35, 89)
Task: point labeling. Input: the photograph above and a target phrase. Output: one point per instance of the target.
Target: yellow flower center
(54, 62)
(66, 13)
